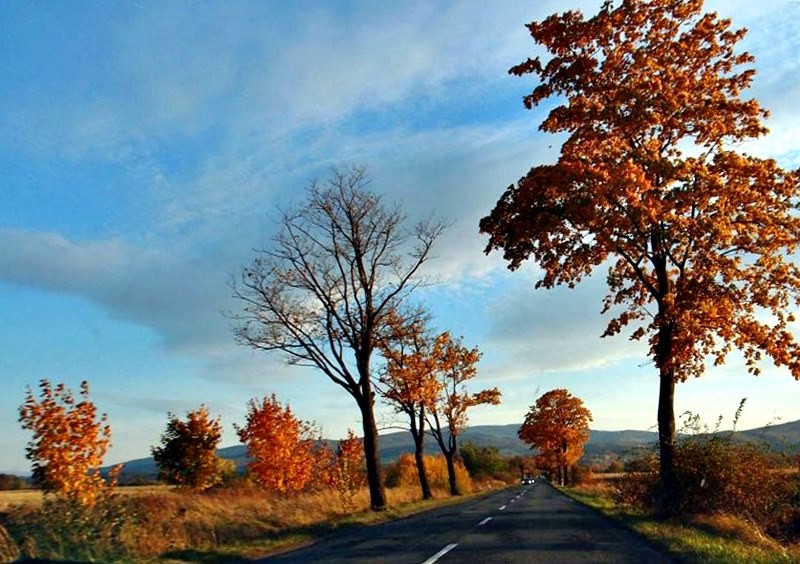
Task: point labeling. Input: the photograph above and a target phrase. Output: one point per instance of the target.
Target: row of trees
(333, 288)
(287, 455)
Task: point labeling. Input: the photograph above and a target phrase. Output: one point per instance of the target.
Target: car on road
(528, 481)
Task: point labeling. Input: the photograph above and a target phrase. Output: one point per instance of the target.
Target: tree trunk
(377, 495)
(666, 415)
(451, 472)
(419, 457)
(418, 432)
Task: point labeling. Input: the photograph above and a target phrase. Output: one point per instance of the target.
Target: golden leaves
(700, 242)
(69, 442)
(558, 426)
(280, 445)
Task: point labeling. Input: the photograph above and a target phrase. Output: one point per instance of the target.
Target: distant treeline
(12, 482)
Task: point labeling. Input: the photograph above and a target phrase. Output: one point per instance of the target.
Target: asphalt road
(520, 525)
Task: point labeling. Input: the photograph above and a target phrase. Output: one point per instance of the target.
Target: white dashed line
(441, 553)
(502, 507)
(482, 523)
(513, 500)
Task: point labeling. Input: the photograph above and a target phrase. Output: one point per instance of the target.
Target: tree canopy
(697, 236)
(187, 454)
(558, 426)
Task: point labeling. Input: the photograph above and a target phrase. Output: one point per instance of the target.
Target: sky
(146, 148)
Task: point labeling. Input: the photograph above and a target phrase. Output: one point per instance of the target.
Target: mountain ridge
(601, 447)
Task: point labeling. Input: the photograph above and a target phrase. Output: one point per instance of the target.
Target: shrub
(404, 473)
(716, 475)
(64, 528)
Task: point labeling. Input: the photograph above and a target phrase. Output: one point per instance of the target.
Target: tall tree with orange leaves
(69, 442)
(409, 380)
(697, 235)
(558, 426)
(454, 365)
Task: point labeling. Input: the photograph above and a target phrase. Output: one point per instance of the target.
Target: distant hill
(601, 447)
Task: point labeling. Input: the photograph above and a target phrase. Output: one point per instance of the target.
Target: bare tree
(323, 291)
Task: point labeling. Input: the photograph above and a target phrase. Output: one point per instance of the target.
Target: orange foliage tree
(696, 235)
(347, 473)
(409, 380)
(69, 442)
(187, 455)
(558, 426)
(455, 364)
(280, 446)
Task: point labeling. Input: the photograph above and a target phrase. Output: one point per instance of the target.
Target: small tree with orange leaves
(409, 380)
(348, 471)
(455, 364)
(187, 455)
(696, 235)
(69, 442)
(280, 445)
(558, 426)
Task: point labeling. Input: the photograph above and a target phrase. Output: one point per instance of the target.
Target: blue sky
(145, 146)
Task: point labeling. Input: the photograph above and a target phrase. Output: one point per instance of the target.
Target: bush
(404, 473)
(715, 476)
(63, 528)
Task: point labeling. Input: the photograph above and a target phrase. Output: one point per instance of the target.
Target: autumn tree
(558, 426)
(696, 235)
(347, 472)
(409, 380)
(187, 455)
(321, 293)
(455, 364)
(280, 446)
(69, 442)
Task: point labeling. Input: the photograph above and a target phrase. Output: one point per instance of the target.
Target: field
(34, 498)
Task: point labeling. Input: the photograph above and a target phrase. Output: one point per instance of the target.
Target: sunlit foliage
(697, 235)
(348, 474)
(558, 426)
(281, 446)
(409, 380)
(69, 442)
(455, 364)
(187, 455)
(404, 473)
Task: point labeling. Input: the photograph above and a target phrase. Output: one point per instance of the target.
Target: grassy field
(34, 498)
(704, 539)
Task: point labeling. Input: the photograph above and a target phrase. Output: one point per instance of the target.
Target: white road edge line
(441, 553)
(502, 507)
(482, 523)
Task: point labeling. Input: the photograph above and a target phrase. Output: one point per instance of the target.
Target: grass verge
(226, 525)
(696, 538)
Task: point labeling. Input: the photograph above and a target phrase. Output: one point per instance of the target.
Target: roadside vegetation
(739, 501)
(239, 521)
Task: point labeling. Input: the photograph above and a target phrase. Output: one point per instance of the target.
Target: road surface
(517, 525)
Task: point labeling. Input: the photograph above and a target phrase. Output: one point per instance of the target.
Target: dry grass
(231, 523)
(696, 538)
(34, 498)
